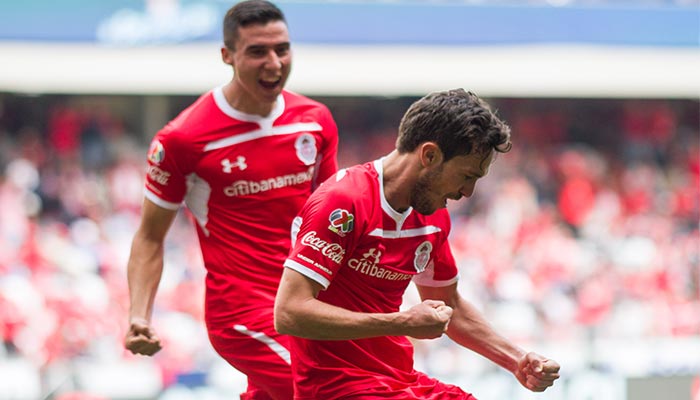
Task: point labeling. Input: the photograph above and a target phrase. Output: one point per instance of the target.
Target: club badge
(306, 148)
(422, 256)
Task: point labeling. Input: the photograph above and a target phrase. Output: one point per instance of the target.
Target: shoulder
(199, 111)
(349, 186)
(202, 116)
(190, 117)
(298, 108)
(296, 101)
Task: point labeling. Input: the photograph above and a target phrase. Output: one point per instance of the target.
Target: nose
(273, 60)
(468, 190)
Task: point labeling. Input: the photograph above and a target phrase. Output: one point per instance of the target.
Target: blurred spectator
(648, 128)
(65, 125)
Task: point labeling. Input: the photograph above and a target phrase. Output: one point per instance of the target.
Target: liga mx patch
(422, 256)
(306, 148)
(342, 221)
(156, 153)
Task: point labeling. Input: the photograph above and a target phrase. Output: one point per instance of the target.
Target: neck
(241, 101)
(398, 170)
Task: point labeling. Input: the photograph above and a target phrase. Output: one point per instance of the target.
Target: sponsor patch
(422, 256)
(247, 188)
(369, 265)
(156, 153)
(158, 175)
(342, 221)
(369, 259)
(332, 251)
(315, 264)
(306, 148)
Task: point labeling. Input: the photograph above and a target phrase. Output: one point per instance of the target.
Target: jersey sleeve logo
(306, 148)
(422, 256)
(156, 153)
(342, 221)
(332, 251)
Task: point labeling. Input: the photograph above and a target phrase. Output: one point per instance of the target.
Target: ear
(227, 55)
(430, 154)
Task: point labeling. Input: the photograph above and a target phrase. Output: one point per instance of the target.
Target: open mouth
(270, 83)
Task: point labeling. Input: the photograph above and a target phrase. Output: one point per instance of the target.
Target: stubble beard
(420, 195)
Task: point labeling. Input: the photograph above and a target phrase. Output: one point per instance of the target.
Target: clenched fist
(141, 338)
(428, 320)
(537, 373)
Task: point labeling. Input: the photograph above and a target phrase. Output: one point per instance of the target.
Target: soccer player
(244, 158)
(368, 232)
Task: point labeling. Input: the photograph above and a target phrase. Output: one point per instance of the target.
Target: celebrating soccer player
(365, 235)
(244, 158)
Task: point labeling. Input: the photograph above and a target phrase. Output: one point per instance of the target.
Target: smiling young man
(365, 235)
(243, 158)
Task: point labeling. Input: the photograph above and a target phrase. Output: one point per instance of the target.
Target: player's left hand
(536, 372)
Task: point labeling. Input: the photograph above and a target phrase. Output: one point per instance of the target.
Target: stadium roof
(497, 48)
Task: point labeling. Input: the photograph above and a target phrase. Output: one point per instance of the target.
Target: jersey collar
(386, 207)
(264, 122)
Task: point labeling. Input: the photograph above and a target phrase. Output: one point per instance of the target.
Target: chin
(269, 96)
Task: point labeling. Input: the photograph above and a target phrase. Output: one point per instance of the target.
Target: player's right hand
(141, 338)
(429, 319)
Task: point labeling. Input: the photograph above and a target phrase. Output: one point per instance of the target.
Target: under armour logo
(371, 253)
(228, 166)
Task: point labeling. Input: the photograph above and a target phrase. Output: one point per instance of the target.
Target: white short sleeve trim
(160, 202)
(307, 272)
(426, 279)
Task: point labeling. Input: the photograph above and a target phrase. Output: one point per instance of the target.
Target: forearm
(470, 329)
(314, 319)
(144, 272)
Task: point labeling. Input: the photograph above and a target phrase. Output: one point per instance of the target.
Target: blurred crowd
(587, 230)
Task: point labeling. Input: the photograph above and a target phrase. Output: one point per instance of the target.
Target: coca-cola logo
(332, 251)
(158, 175)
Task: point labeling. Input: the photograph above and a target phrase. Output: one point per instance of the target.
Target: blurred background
(582, 244)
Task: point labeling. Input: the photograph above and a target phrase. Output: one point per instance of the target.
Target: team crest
(422, 256)
(156, 153)
(306, 148)
(342, 221)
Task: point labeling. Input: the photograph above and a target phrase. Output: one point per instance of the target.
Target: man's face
(452, 180)
(261, 60)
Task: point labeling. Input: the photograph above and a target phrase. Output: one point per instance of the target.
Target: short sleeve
(322, 235)
(165, 180)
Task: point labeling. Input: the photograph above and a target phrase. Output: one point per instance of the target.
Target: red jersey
(244, 178)
(364, 253)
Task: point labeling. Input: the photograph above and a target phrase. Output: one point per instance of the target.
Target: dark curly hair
(459, 122)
